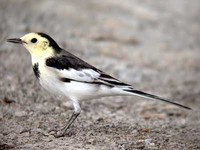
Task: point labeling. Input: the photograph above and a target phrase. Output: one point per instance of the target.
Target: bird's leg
(73, 117)
(70, 121)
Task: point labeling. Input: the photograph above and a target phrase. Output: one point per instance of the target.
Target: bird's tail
(151, 96)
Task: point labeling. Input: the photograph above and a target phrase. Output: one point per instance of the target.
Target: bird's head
(38, 44)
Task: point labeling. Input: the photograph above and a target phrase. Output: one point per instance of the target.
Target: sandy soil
(153, 45)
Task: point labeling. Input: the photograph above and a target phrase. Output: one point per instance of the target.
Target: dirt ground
(153, 45)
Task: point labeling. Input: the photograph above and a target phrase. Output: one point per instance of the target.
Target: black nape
(52, 43)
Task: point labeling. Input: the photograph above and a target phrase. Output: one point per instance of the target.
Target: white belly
(49, 79)
(73, 90)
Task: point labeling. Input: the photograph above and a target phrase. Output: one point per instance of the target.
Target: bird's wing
(70, 67)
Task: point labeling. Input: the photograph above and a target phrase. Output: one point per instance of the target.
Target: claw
(58, 134)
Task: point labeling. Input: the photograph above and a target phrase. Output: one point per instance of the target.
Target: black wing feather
(66, 60)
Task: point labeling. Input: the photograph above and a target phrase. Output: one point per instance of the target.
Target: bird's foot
(57, 134)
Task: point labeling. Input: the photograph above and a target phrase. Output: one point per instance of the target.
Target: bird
(63, 73)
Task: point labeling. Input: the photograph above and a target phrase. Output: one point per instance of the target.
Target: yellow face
(37, 45)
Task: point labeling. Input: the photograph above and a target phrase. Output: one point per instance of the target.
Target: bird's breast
(47, 78)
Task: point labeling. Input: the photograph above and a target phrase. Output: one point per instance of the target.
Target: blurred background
(153, 45)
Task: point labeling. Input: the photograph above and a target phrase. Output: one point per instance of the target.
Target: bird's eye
(33, 40)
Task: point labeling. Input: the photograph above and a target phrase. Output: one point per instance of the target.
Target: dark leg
(71, 120)
(73, 117)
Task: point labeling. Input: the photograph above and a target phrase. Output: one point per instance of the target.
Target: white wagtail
(63, 73)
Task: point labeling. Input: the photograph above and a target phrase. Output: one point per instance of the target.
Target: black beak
(15, 40)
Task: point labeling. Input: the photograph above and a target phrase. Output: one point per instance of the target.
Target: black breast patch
(36, 70)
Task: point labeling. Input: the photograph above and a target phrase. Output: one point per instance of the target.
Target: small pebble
(90, 141)
(149, 144)
(20, 113)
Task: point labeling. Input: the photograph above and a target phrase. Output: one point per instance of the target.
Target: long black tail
(151, 96)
